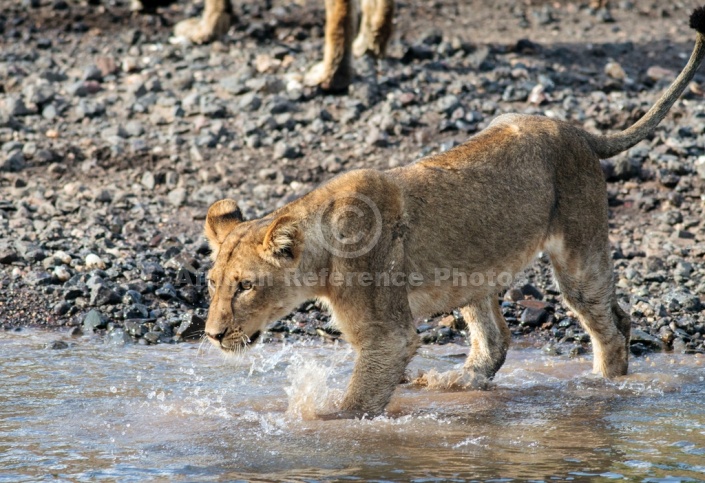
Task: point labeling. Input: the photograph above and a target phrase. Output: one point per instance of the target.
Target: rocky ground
(114, 141)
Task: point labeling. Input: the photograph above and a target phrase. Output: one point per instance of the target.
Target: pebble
(177, 196)
(93, 261)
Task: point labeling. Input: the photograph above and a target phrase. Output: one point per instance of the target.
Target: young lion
(523, 185)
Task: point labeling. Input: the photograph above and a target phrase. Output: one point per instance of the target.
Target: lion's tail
(611, 145)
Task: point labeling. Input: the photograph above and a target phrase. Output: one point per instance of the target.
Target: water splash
(310, 391)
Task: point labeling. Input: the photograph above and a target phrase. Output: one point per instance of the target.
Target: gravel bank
(114, 141)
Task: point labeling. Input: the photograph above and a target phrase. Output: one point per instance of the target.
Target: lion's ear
(283, 242)
(222, 217)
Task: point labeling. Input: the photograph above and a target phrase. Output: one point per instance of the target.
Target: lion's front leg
(335, 72)
(214, 23)
(379, 367)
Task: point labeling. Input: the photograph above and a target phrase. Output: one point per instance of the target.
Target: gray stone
(625, 168)
(102, 295)
(250, 102)
(136, 311)
(57, 345)
(118, 337)
(92, 73)
(49, 112)
(285, 151)
(152, 337)
(78, 89)
(639, 336)
(681, 299)
(89, 108)
(134, 128)
(148, 180)
(94, 320)
(177, 196)
(151, 271)
(233, 84)
(37, 278)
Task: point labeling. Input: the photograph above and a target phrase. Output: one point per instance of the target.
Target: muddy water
(173, 413)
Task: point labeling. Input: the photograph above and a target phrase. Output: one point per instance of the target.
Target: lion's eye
(245, 285)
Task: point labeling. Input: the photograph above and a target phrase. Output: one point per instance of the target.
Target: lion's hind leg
(489, 336)
(583, 269)
(375, 28)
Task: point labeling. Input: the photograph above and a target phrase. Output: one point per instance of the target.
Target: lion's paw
(315, 75)
(201, 31)
(453, 380)
(366, 44)
(324, 77)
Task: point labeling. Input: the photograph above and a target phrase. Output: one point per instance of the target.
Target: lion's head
(248, 283)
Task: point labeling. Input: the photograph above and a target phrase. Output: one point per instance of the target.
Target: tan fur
(523, 185)
(335, 72)
(215, 22)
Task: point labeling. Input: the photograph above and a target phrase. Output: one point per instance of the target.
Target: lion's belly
(435, 290)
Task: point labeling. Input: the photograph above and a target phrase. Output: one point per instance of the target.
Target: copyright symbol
(349, 225)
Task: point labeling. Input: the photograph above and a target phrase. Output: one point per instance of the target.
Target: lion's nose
(216, 335)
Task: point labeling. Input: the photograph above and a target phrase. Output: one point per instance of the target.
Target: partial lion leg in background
(375, 28)
(335, 72)
(215, 22)
(598, 4)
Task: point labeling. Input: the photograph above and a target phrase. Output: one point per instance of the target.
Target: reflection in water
(172, 413)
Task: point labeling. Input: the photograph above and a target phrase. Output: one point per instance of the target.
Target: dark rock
(135, 328)
(136, 311)
(640, 337)
(57, 345)
(638, 349)
(192, 328)
(625, 168)
(132, 297)
(61, 308)
(92, 73)
(152, 337)
(8, 255)
(34, 278)
(681, 299)
(102, 295)
(533, 317)
(166, 292)
(151, 272)
(190, 294)
(417, 52)
(530, 291)
(285, 151)
(13, 163)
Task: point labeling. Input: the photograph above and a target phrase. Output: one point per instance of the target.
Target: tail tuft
(697, 20)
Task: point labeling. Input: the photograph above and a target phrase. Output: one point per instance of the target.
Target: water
(97, 412)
